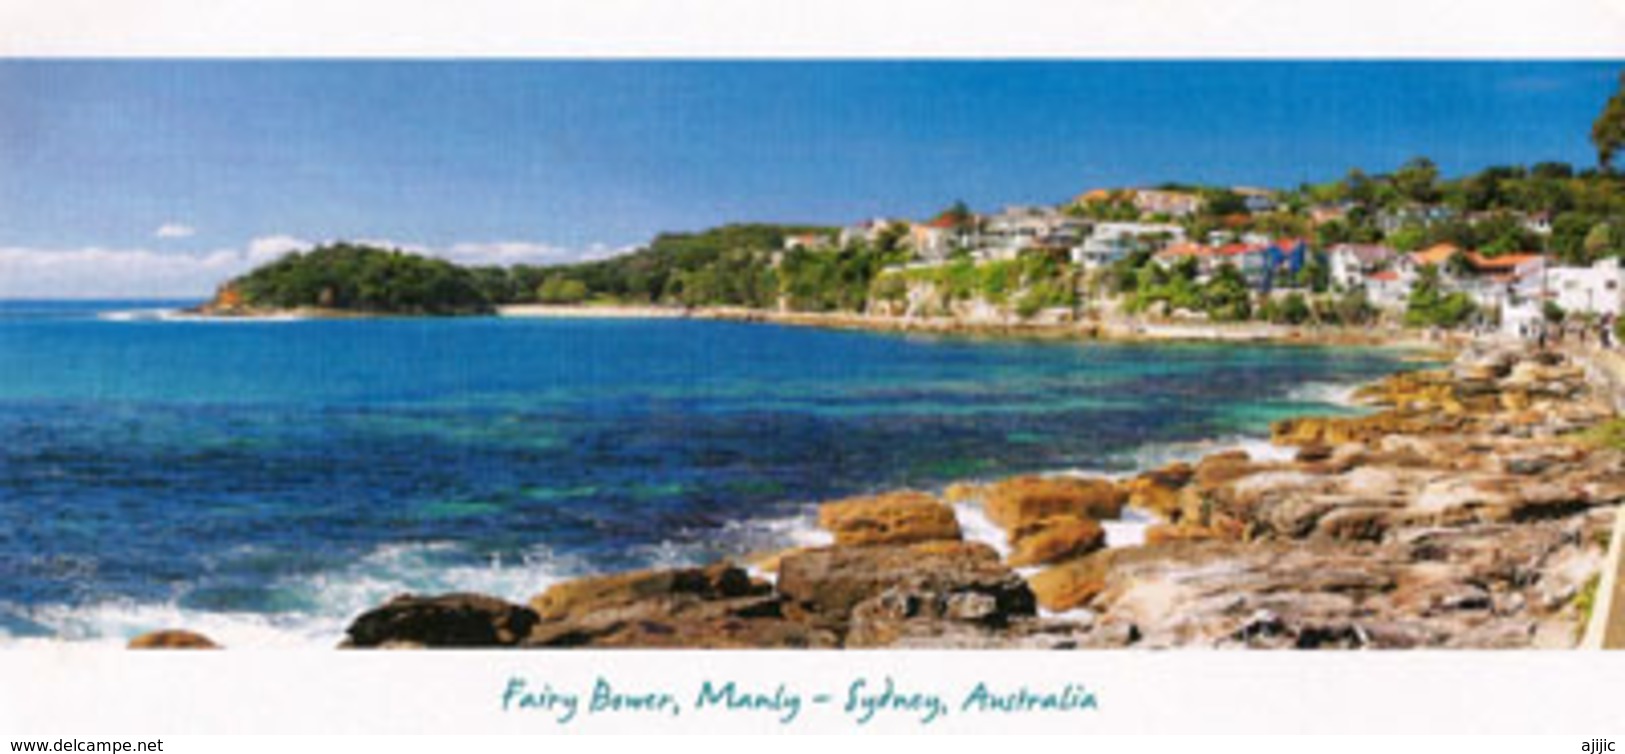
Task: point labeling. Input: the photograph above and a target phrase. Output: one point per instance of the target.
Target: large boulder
(449, 620)
(904, 617)
(825, 584)
(963, 492)
(723, 580)
(1219, 468)
(894, 518)
(718, 606)
(1056, 539)
(1072, 584)
(683, 621)
(1339, 430)
(1270, 503)
(1019, 501)
(1157, 491)
(172, 639)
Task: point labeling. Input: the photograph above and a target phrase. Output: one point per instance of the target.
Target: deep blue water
(267, 480)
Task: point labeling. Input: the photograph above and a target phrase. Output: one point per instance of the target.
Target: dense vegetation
(1034, 281)
(727, 266)
(1429, 306)
(365, 279)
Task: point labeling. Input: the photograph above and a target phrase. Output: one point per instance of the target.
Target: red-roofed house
(1500, 281)
(1437, 255)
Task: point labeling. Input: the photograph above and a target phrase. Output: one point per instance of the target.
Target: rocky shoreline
(1470, 509)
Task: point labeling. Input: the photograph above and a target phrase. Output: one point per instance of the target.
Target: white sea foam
(1327, 393)
(184, 315)
(977, 527)
(1128, 531)
(139, 315)
(333, 599)
(1153, 455)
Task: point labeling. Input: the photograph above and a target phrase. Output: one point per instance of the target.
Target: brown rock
(1057, 539)
(172, 639)
(596, 592)
(768, 562)
(683, 621)
(1015, 502)
(1072, 584)
(450, 620)
(1223, 467)
(1313, 453)
(1157, 491)
(1338, 430)
(1157, 534)
(827, 583)
(893, 518)
(962, 492)
(1355, 523)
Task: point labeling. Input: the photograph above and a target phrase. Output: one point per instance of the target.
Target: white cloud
(113, 273)
(98, 272)
(174, 230)
(268, 248)
(505, 253)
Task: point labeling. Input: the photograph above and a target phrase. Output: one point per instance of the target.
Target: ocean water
(265, 481)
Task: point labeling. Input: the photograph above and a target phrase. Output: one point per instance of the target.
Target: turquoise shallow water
(268, 480)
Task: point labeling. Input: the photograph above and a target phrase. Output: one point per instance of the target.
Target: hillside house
(1109, 242)
(1175, 204)
(1352, 264)
(1598, 289)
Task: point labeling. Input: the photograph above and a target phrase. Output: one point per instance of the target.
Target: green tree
(1599, 241)
(1221, 202)
(1408, 237)
(890, 238)
(558, 289)
(1430, 306)
(1570, 231)
(1417, 180)
(1353, 308)
(1290, 310)
(1608, 130)
(1358, 187)
(1227, 297)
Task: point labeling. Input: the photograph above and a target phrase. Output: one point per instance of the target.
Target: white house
(1388, 290)
(1170, 203)
(808, 241)
(1519, 319)
(1256, 200)
(1351, 264)
(1498, 283)
(932, 242)
(1109, 242)
(867, 231)
(1597, 289)
(1016, 228)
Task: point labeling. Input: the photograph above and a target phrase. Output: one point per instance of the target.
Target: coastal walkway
(1606, 630)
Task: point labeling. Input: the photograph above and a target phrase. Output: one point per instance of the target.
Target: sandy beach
(551, 311)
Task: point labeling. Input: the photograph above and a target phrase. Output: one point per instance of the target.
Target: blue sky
(162, 177)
